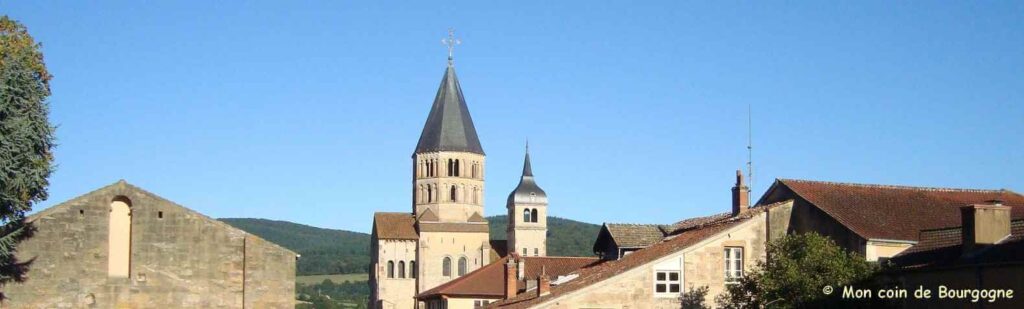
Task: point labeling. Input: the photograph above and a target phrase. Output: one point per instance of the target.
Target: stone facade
(176, 258)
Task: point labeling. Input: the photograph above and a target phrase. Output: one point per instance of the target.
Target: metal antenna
(451, 41)
(750, 147)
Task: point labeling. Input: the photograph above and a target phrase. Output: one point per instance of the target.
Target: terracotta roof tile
(489, 281)
(893, 212)
(394, 225)
(636, 235)
(942, 247)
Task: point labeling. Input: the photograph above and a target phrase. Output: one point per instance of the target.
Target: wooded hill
(329, 251)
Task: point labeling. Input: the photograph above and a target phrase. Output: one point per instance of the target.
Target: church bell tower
(527, 215)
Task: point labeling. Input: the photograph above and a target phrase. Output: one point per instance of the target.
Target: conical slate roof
(449, 126)
(528, 191)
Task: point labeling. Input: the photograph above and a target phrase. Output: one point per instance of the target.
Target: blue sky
(636, 112)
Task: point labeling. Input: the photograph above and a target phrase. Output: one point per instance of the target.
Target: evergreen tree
(26, 141)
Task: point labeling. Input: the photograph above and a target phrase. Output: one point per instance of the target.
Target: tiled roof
(697, 221)
(942, 247)
(449, 126)
(489, 281)
(682, 239)
(892, 212)
(636, 235)
(394, 225)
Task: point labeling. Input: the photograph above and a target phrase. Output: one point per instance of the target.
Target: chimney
(511, 278)
(984, 224)
(740, 195)
(543, 283)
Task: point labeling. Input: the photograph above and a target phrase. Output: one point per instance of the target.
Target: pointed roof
(449, 126)
(527, 187)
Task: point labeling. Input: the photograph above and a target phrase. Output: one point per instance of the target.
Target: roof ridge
(560, 257)
(901, 187)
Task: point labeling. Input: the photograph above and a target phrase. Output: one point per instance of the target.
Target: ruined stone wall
(178, 258)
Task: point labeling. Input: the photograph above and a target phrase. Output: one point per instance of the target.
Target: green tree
(26, 141)
(796, 272)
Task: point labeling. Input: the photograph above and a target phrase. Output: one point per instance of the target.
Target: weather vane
(451, 41)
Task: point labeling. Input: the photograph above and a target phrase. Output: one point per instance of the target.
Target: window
(462, 266)
(430, 194)
(533, 215)
(446, 267)
(524, 251)
(412, 269)
(733, 264)
(536, 251)
(454, 194)
(119, 238)
(666, 282)
(401, 269)
(457, 168)
(526, 215)
(391, 269)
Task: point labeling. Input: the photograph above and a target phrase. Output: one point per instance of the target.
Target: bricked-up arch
(119, 239)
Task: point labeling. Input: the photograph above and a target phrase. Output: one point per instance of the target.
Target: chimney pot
(511, 278)
(740, 195)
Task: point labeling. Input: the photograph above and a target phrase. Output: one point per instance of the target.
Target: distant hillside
(328, 251)
(565, 237)
(324, 251)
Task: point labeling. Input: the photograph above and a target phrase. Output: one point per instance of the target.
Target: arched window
(119, 238)
(401, 269)
(430, 194)
(391, 269)
(446, 267)
(533, 215)
(451, 167)
(462, 266)
(526, 215)
(412, 269)
(454, 194)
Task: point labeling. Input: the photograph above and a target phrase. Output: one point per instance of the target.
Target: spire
(527, 170)
(449, 126)
(527, 191)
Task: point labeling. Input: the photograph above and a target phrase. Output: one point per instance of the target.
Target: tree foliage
(565, 237)
(26, 141)
(795, 273)
(323, 251)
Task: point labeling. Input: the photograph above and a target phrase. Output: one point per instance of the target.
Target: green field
(314, 279)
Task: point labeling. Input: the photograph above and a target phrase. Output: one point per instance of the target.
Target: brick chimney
(511, 277)
(543, 283)
(984, 224)
(740, 195)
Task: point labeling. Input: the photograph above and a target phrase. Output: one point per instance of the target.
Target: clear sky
(308, 111)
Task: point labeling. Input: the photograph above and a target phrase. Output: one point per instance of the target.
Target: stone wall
(701, 265)
(178, 258)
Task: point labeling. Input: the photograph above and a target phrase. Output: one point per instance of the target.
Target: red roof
(489, 281)
(395, 225)
(890, 212)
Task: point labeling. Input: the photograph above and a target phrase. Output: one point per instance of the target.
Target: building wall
(435, 246)
(178, 259)
(529, 235)
(875, 249)
(702, 265)
(470, 190)
(396, 292)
